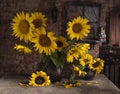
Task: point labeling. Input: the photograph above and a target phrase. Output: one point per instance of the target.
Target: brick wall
(15, 63)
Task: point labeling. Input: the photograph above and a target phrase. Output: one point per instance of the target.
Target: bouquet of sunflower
(30, 28)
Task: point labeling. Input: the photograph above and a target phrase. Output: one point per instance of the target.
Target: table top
(99, 85)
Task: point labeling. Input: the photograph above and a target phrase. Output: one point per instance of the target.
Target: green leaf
(81, 67)
(58, 59)
(55, 61)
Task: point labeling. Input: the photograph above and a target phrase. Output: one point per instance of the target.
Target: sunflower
(45, 42)
(82, 48)
(75, 68)
(22, 26)
(77, 83)
(78, 70)
(68, 84)
(82, 73)
(85, 47)
(97, 65)
(22, 48)
(72, 54)
(39, 79)
(86, 59)
(61, 43)
(78, 28)
(39, 20)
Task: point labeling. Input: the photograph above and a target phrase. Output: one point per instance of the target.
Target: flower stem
(44, 66)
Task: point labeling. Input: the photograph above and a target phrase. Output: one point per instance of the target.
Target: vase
(90, 74)
(54, 72)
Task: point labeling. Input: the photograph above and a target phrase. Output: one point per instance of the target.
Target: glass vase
(54, 72)
(90, 74)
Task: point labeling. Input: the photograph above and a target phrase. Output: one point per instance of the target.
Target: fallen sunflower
(72, 84)
(39, 79)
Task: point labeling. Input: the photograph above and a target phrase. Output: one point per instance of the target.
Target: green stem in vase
(44, 66)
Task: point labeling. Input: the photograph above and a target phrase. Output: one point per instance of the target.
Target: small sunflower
(22, 48)
(86, 59)
(82, 73)
(45, 42)
(79, 71)
(82, 48)
(61, 43)
(72, 54)
(39, 79)
(86, 46)
(75, 68)
(97, 65)
(78, 28)
(39, 20)
(22, 26)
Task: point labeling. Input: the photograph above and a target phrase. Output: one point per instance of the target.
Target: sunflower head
(97, 65)
(38, 20)
(86, 59)
(78, 28)
(72, 54)
(45, 42)
(22, 26)
(61, 43)
(39, 79)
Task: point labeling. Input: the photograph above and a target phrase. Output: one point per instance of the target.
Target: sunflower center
(86, 60)
(24, 26)
(37, 23)
(96, 64)
(45, 41)
(59, 44)
(77, 27)
(39, 80)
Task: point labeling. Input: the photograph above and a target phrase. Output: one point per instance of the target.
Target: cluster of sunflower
(30, 29)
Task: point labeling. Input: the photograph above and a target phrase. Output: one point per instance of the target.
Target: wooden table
(99, 85)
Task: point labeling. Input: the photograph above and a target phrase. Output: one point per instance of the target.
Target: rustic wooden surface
(99, 85)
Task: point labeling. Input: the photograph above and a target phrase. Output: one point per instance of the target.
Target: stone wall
(15, 63)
